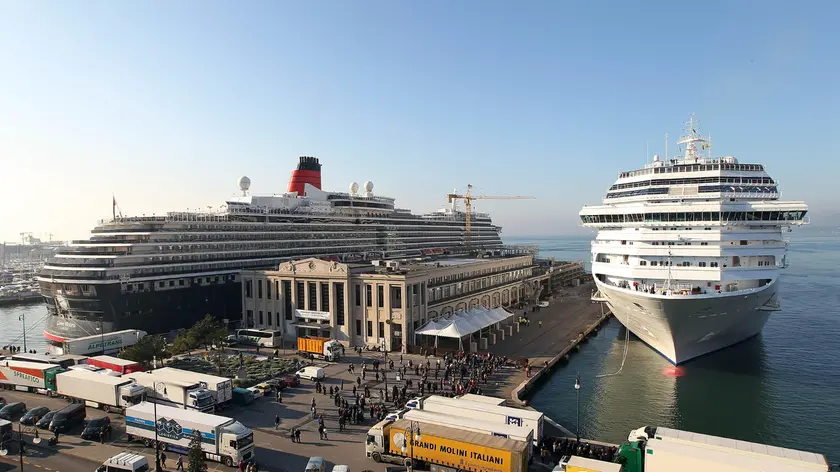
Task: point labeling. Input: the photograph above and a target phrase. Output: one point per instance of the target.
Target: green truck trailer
(652, 449)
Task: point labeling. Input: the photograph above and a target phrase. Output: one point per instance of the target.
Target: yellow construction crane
(469, 197)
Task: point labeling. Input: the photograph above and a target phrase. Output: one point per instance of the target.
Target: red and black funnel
(308, 172)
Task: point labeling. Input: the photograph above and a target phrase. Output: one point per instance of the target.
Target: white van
(341, 468)
(125, 462)
(311, 372)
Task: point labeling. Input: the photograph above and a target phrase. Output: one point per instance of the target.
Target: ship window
(653, 263)
(181, 282)
(161, 284)
(642, 263)
(171, 283)
(702, 264)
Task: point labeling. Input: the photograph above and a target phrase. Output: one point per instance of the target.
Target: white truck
(652, 449)
(184, 394)
(28, 376)
(530, 419)
(482, 399)
(108, 342)
(222, 439)
(99, 391)
(475, 424)
(221, 387)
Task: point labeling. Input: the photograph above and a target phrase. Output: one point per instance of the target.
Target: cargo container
(222, 439)
(531, 419)
(440, 446)
(326, 348)
(178, 393)
(120, 366)
(28, 376)
(476, 424)
(653, 449)
(108, 342)
(583, 464)
(221, 387)
(482, 399)
(99, 391)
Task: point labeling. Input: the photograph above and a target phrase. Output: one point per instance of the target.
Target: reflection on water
(11, 326)
(722, 392)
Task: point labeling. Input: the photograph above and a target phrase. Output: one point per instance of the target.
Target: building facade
(383, 303)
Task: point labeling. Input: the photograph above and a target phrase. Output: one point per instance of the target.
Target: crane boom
(469, 197)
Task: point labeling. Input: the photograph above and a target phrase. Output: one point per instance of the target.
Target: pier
(570, 319)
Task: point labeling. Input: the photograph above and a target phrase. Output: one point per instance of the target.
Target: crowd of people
(551, 449)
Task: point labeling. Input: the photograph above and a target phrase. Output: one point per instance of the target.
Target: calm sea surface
(781, 388)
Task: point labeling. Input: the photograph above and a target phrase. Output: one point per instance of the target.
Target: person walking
(179, 464)
(297, 435)
(276, 422)
(163, 459)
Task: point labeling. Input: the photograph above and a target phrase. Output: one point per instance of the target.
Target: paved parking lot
(275, 451)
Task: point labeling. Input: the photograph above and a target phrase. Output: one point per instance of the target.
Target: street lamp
(412, 436)
(154, 406)
(577, 389)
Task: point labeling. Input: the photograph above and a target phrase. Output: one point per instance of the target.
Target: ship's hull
(684, 327)
(154, 311)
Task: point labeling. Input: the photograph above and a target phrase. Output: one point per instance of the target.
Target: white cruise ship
(159, 273)
(689, 249)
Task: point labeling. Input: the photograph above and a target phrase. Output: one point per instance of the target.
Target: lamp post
(577, 389)
(23, 329)
(412, 436)
(154, 406)
(20, 446)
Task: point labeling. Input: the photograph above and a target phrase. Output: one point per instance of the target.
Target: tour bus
(260, 337)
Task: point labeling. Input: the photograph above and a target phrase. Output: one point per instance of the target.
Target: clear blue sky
(166, 104)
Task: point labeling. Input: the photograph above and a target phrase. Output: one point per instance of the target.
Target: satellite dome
(244, 183)
(354, 188)
(368, 186)
(656, 158)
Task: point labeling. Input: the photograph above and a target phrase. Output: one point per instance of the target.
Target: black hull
(156, 311)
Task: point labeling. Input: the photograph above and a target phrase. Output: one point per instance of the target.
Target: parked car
(256, 392)
(291, 380)
(94, 426)
(44, 422)
(264, 387)
(68, 417)
(12, 410)
(34, 415)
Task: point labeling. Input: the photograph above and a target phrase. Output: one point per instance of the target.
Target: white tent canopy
(464, 323)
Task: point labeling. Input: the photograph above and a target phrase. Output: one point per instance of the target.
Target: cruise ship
(689, 249)
(159, 273)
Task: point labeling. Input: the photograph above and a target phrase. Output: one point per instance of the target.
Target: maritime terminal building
(384, 303)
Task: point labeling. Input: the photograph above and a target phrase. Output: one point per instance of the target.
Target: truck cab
(237, 442)
(332, 350)
(131, 394)
(376, 442)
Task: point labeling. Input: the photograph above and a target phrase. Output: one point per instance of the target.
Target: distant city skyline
(165, 105)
